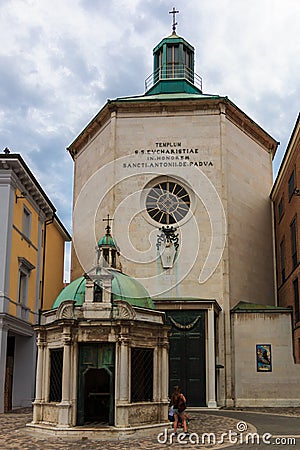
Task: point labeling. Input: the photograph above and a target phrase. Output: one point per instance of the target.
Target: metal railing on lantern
(173, 72)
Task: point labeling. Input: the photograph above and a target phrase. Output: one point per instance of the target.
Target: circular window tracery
(168, 202)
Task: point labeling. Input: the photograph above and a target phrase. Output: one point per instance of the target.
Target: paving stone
(15, 435)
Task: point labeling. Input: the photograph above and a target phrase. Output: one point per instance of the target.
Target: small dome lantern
(173, 66)
(107, 248)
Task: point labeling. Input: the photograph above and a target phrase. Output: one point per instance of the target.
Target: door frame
(213, 346)
(98, 362)
(183, 323)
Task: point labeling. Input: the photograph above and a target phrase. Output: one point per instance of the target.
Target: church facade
(186, 178)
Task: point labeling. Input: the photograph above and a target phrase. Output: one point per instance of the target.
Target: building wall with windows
(286, 208)
(25, 259)
(26, 217)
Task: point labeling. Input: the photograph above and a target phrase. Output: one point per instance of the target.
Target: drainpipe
(47, 222)
(274, 236)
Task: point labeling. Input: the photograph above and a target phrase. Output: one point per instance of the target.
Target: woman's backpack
(181, 405)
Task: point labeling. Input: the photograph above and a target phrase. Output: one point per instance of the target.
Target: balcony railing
(173, 72)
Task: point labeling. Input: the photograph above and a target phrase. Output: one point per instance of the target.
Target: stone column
(106, 287)
(157, 373)
(124, 370)
(64, 416)
(46, 380)
(211, 360)
(39, 394)
(73, 391)
(164, 378)
(122, 381)
(89, 290)
(165, 370)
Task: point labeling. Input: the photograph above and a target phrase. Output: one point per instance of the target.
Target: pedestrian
(178, 401)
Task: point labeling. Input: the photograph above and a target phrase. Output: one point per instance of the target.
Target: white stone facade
(277, 387)
(229, 197)
(224, 161)
(70, 327)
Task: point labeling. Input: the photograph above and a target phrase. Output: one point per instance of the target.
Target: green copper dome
(124, 288)
(107, 240)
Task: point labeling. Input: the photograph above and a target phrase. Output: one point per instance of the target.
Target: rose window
(167, 202)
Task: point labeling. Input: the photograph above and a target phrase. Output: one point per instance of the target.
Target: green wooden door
(187, 355)
(96, 364)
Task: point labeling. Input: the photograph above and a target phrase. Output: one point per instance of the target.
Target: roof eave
(90, 129)
(233, 113)
(64, 232)
(291, 146)
(251, 127)
(15, 162)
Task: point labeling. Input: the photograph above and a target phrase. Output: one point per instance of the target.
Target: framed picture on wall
(263, 358)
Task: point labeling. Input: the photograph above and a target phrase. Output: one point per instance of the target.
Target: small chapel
(186, 177)
(102, 354)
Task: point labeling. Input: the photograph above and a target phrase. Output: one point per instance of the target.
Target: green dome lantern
(173, 66)
(107, 248)
(106, 240)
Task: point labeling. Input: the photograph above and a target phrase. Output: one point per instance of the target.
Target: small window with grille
(141, 375)
(280, 209)
(296, 300)
(23, 287)
(56, 368)
(291, 184)
(293, 228)
(25, 268)
(282, 260)
(173, 61)
(97, 293)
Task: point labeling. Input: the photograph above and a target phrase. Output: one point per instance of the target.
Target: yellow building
(32, 244)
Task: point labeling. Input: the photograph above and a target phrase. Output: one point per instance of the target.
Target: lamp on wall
(23, 195)
(167, 244)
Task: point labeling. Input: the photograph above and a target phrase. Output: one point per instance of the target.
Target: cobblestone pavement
(14, 435)
(280, 426)
(281, 411)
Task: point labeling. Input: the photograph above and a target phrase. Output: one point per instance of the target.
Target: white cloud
(61, 60)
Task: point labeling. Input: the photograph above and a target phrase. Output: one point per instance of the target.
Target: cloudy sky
(60, 60)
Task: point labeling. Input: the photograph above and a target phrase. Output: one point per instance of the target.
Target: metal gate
(96, 383)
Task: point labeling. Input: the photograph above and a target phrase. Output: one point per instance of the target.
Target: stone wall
(279, 387)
